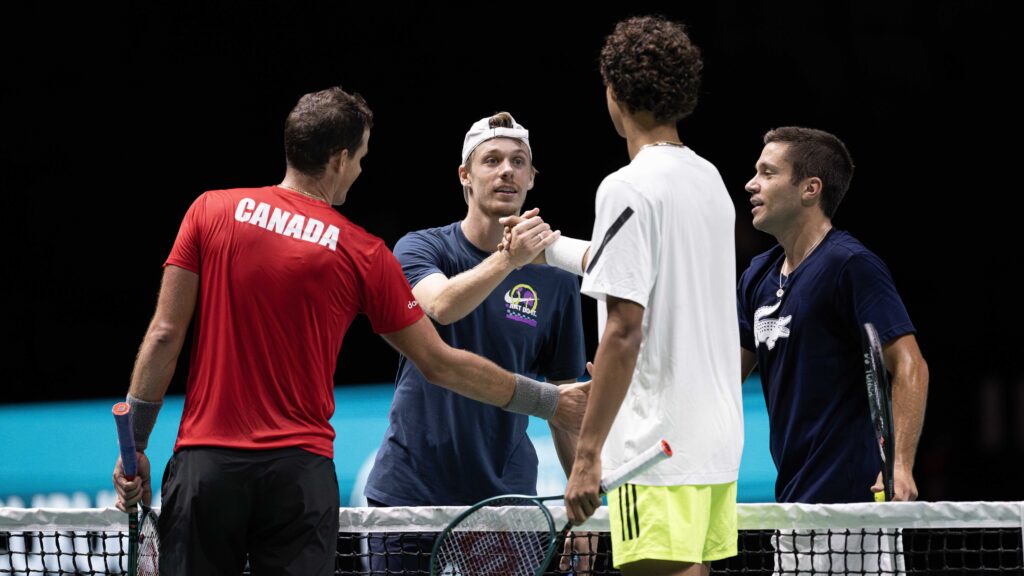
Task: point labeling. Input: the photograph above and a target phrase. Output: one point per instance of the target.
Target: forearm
(165, 336)
(569, 254)
(909, 396)
(471, 376)
(564, 441)
(464, 292)
(613, 371)
(155, 364)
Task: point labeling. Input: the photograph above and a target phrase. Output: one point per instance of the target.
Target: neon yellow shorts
(695, 523)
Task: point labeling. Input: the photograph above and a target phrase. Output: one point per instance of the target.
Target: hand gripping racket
(143, 540)
(880, 403)
(519, 539)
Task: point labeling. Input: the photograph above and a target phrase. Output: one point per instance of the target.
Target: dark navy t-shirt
(808, 349)
(445, 449)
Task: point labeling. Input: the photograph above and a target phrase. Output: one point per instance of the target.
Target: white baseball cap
(481, 132)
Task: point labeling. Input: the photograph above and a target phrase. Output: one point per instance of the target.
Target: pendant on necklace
(780, 292)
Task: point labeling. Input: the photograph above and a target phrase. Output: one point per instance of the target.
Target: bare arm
(448, 300)
(475, 377)
(613, 371)
(161, 346)
(155, 365)
(564, 440)
(910, 394)
(747, 362)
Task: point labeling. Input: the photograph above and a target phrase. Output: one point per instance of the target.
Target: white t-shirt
(674, 255)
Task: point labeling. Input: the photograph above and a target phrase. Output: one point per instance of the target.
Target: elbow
(166, 334)
(434, 371)
(429, 369)
(439, 312)
(625, 338)
(442, 316)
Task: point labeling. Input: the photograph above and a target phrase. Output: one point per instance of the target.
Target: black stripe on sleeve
(612, 231)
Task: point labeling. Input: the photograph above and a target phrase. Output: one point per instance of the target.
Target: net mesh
(892, 538)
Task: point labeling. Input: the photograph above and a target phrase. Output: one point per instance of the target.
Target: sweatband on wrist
(567, 254)
(143, 419)
(533, 398)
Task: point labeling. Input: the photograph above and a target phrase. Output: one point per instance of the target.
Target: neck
(315, 188)
(641, 130)
(482, 231)
(802, 241)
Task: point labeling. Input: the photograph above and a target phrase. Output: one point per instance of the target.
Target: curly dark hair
(651, 65)
(814, 152)
(321, 125)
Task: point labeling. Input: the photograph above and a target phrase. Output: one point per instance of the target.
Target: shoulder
(764, 259)
(845, 250)
(439, 237)
(759, 266)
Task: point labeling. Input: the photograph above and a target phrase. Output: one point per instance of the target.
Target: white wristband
(567, 254)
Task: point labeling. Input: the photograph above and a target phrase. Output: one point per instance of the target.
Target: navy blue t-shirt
(808, 349)
(444, 449)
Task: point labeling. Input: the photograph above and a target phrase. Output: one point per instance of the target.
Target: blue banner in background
(62, 454)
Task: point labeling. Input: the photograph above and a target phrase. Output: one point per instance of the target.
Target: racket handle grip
(126, 439)
(642, 462)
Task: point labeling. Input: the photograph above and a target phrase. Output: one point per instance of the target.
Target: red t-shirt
(281, 276)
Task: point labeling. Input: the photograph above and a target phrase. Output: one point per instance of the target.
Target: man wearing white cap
(443, 449)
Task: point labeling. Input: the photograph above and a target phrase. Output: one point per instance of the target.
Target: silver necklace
(782, 287)
(663, 143)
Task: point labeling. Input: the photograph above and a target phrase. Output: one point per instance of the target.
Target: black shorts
(278, 508)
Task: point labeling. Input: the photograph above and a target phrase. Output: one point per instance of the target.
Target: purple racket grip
(126, 439)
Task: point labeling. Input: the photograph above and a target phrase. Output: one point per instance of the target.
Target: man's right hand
(526, 237)
(131, 492)
(572, 403)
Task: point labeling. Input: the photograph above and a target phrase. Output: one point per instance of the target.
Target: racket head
(518, 541)
(879, 402)
(149, 543)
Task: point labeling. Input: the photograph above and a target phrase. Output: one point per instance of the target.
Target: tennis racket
(880, 403)
(519, 539)
(143, 540)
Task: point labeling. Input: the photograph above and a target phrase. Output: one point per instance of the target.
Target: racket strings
(516, 542)
(149, 546)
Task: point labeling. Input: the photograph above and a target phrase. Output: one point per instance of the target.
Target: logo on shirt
(286, 223)
(412, 304)
(768, 330)
(521, 304)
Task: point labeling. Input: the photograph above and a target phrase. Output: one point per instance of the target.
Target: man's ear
(810, 190)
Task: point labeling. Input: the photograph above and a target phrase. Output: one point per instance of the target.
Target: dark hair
(814, 152)
(651, 65)
(321, 125)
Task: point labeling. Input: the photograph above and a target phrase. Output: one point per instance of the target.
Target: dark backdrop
(116, 120)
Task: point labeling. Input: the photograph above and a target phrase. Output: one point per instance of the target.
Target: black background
(115, 120)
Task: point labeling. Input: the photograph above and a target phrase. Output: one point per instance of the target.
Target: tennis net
(792, 539)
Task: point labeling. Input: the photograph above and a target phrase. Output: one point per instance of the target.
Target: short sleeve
(419, 254)
(187, 248)
(868, 287)
(390, 305)
(624, 246)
